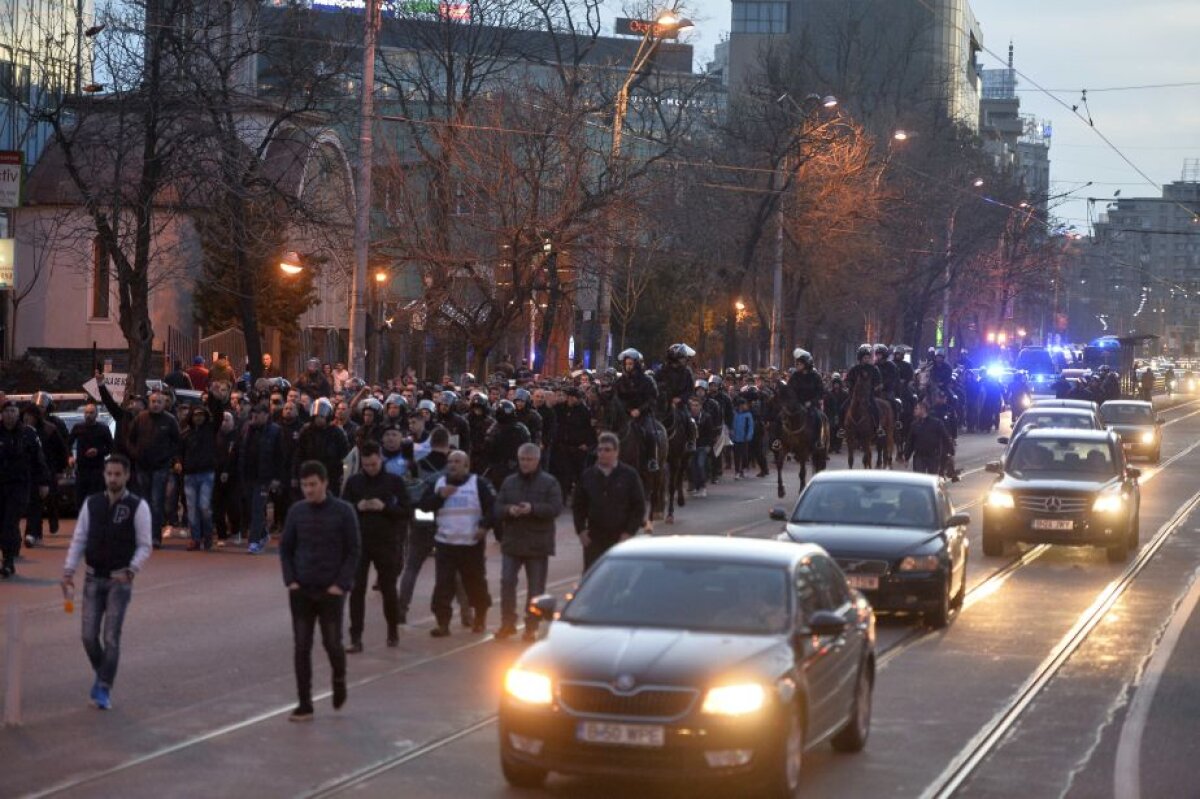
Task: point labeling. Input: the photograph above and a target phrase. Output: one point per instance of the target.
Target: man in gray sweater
(526, 508)
(319, 552)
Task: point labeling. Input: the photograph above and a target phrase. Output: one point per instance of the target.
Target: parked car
(694, 657)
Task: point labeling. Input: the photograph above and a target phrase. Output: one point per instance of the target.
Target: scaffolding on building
(1191, 170)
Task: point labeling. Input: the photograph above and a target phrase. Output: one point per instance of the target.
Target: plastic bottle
(68, 598)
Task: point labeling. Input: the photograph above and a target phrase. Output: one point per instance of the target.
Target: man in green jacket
(526, 509)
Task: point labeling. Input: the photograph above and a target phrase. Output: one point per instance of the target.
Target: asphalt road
(1033, 689)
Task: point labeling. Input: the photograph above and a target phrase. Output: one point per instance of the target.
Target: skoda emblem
(1053, 504)
(625, 682)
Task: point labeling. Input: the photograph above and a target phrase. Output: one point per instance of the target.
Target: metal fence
(231, 342)
(179, 346)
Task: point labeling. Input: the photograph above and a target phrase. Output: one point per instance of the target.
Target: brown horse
(860, 431)
(790, 433)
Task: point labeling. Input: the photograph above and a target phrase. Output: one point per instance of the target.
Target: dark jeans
(535, 577)
(382, 553)
(281, 500)
(416, 551)
(152, 487)
(256, 495)
(596, 548)
(469, 563)
(741, 456)
(104, 605)
(13, 499)
(198, 488)
(227, 508)
(568, 465)
(174, 495)
(87, 483)
(309, 608)
(698, 473)
(39, 508)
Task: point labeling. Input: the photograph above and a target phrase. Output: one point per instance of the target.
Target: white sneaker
(702, 493)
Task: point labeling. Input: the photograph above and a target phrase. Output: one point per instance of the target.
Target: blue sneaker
(92, 697)
(255, 548)
(100, 698)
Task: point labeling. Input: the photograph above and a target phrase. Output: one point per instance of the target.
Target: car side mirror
(1132, 472)
(827, 623)
(959, 520)
(1002, 440)
(994, 467)
(778, 514)
(543, 606)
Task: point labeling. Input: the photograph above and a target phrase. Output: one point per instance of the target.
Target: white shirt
(141, 529)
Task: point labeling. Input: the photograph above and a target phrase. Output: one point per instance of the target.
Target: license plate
(598, 732)
(863, 582)
(1053, 524)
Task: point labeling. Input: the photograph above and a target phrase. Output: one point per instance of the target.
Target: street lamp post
(666, 26)
(362, 194)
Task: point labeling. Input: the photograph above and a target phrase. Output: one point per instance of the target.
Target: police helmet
(864, 351)
(522, 395)
(323, 408)
(940, 352)
(882, 349)
(479, 401)
(716, 381)
(370, 403)
(803, 356)
(630, 353)
(678, 352)
(396, 399)
(448, 398)
(427, 405)
(505, 411)
(703, 384)
(837, 378)
(43, 400)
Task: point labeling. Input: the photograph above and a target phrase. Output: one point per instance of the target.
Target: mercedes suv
(1070, 487)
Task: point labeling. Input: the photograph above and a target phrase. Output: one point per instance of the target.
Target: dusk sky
(1069, 45)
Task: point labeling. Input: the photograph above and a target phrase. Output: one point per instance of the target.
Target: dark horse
(860, 431)
(681, 443)
(614, 418)
(791, 434)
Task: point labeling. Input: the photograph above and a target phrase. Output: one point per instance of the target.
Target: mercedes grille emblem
(1053, 504)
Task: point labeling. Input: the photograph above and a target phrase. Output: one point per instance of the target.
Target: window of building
(101, 270)
(760, 17)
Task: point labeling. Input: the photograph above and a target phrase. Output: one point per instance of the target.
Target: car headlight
(1148, 437)
(528, 686)
(735, 700)
(920, 563)
(998, 498)
(1108, 503)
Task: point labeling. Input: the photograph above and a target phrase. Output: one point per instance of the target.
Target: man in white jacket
(463, 505)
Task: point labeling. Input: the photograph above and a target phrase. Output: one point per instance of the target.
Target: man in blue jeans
(113, 537)
(526, 509)
(261, 463)
(154, 443)
(708, 429)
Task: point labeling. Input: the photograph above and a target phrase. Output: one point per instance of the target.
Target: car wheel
(781, 774)
(853, 737)
(520, 775)
(993, 545)
(1118, 553)
(939, 618)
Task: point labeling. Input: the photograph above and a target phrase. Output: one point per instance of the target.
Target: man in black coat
(91, 443)
(319, 553)
(576, 437)
(382, 503)
(260, 460)
(609, 504)
(54, 450)
(22, 468)
(928, 441)
(321, 440)
(638, 393)
(154, 440)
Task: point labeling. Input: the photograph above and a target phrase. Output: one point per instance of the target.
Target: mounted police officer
(887, 371)
(904, 369)
(676, 381)
(865, 370)
(807, 390)
(638, 392)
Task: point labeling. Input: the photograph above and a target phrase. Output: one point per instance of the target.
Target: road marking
(1127, 775)
(994, 731)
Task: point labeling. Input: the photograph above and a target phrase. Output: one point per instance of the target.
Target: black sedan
(1138, 425)
(1069, 487)
(895, 535)
(688, 657)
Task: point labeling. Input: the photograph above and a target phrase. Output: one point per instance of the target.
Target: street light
(901, 135)
(666, 25)
(290, 263)
(977, 183)
(381, 277)
(741, 306)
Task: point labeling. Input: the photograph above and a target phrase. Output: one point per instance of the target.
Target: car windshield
(1071, 421)
(1063, 458)
(884, 504)
(1127, 414)
(696, 595)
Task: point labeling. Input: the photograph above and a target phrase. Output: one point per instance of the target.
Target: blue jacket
(743, 427)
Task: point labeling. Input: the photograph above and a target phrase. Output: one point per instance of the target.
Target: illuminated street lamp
(290, 263)
(900, 135)
(381, 277)
(977, 183)
(741, 306)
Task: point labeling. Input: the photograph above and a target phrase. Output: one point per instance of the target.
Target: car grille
(1053, 503)
(598, 699)
(851, 566)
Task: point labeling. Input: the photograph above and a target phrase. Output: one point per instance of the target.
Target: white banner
(7, 273)
(116, 383)
(10, 178)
